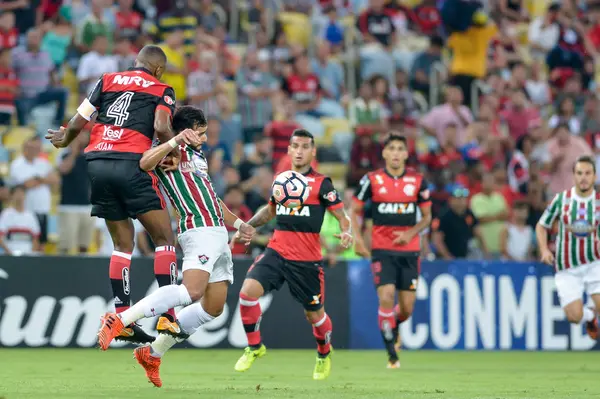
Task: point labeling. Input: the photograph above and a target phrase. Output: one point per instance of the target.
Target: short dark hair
(436, 41)
(234, 187)
(188, 117)
(395, 137)
(303, 133)
(585, 159)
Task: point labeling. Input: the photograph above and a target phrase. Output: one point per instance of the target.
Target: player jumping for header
(395, 193)
(129, 108)
(207, 263)
(294, 256)
(577, 260)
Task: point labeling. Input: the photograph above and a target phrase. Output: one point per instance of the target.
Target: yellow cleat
(322, 368)
(172, 328)
(249, 356)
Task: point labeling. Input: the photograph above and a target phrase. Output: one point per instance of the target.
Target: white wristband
(237, 224)
(173, 143)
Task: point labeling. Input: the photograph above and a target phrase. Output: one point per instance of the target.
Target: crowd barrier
(57, 302)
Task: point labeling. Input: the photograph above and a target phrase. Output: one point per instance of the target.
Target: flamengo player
(294, 256)
(207, 263)
(395, 193)
(577, 260)
(129, 108)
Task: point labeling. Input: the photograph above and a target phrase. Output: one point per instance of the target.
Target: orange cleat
(112, 326)
(592, 328)
(150, 363)
(393, 364)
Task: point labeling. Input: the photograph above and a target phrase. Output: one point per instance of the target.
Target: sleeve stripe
(336, 206)
(165, 108)
(363, 190)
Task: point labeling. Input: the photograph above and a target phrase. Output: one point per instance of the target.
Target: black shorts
(121, 190)
(306, 280)
(401, 270)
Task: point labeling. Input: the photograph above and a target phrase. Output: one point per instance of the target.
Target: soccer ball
(290, 189)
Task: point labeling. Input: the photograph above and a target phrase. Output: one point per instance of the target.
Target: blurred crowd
(497, 99)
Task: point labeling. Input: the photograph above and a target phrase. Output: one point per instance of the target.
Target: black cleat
(134, 334)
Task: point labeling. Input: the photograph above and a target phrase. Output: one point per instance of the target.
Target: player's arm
(330, 199)
(424, 202)
(264, 215)
(543, 227)
(245, 232)
(363, 194)
(153, 156)
(3, 229)
(163, 116)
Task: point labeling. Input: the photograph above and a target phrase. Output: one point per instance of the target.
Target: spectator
(519, 116)
(332, 30)
(94, 24)
(329, 72)
(181, 17)
(9, 87)
(94, 64)
(37, 176)
(255, 85)
(366, 115)
(123, 54)
(566, 115)
(9, 34)
(231, 129)
(544, 32)
(402, 94)
(47, 10)
(590, 118)
(4, 192)
(456, 227)
(260, 156)
(176, 71)
(214, 145)
(19, 228)
(365, 156)
(75, 226)
(105, 245)
(234, 199)
(452, 112)
(491, 211)
(420, 72)
(209, 17)
(128, 21)
(304, 88)
(447, 153)
(24, 12)
(517, 237)
(204, 85)
(564, 149)
(281, 131)
(260, 194)
(537, 86)
(469, 58)
(518, 166)
(58, 37)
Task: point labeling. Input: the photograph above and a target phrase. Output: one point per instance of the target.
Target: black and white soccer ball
(290, 189)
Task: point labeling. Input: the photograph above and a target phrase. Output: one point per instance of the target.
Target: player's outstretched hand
(547, 257)
(345, 238)
(169, 163)
(402, 237)
(189, 137)
(246, 233)
(57, 137)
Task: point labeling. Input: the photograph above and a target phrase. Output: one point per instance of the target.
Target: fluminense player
(577, 257)
(207, 263)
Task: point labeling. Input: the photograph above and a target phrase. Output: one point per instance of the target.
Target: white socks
(190, 319)
(588, 315)
(158, 302)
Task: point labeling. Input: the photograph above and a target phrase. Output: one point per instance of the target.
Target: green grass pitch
(87, 373)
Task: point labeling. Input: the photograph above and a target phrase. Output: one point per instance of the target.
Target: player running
(207, 263)
(294, 256)
(395, 193)
(577, 260)
(129, 108)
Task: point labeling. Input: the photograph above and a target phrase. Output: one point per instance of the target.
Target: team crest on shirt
(425, 194)
(409, 189)
(379, 179)
(331, 196)
(203, 259)
(169, 100)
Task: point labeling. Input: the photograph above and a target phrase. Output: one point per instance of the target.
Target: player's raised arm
(163, 116)
(358, 204)
(544, 225)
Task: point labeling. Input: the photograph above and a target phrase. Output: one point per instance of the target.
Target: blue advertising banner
(471, 306)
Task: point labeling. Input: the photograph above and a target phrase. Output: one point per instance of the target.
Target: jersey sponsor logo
(396, 208)
(103, 147)
(110, 134)
(331, 196)
(169, 100)
(580, 228)
(302, 211)
(196, 164)
(129, 80)
(409, 189)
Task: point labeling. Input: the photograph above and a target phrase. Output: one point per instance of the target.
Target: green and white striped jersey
(191, 192)
(578, 218)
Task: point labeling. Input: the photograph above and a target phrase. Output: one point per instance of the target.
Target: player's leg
(202, 248)
(385, 277)
(570, 287)
(306, 281)
(263, 276)
(592, 282)
(106, 205)
(408, 277)
(190, 319)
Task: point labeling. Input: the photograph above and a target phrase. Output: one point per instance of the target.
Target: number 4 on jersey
(118, 109)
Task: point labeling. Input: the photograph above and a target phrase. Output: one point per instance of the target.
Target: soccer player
(293, 255)
(395, 193)
(129, 107)
(577, 260)
(207, 263)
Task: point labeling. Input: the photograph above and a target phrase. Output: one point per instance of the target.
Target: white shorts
(571, 283)
(207, 248)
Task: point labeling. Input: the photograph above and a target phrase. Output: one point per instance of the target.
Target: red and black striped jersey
(126, 103)
(297, 232)
(394, 206)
